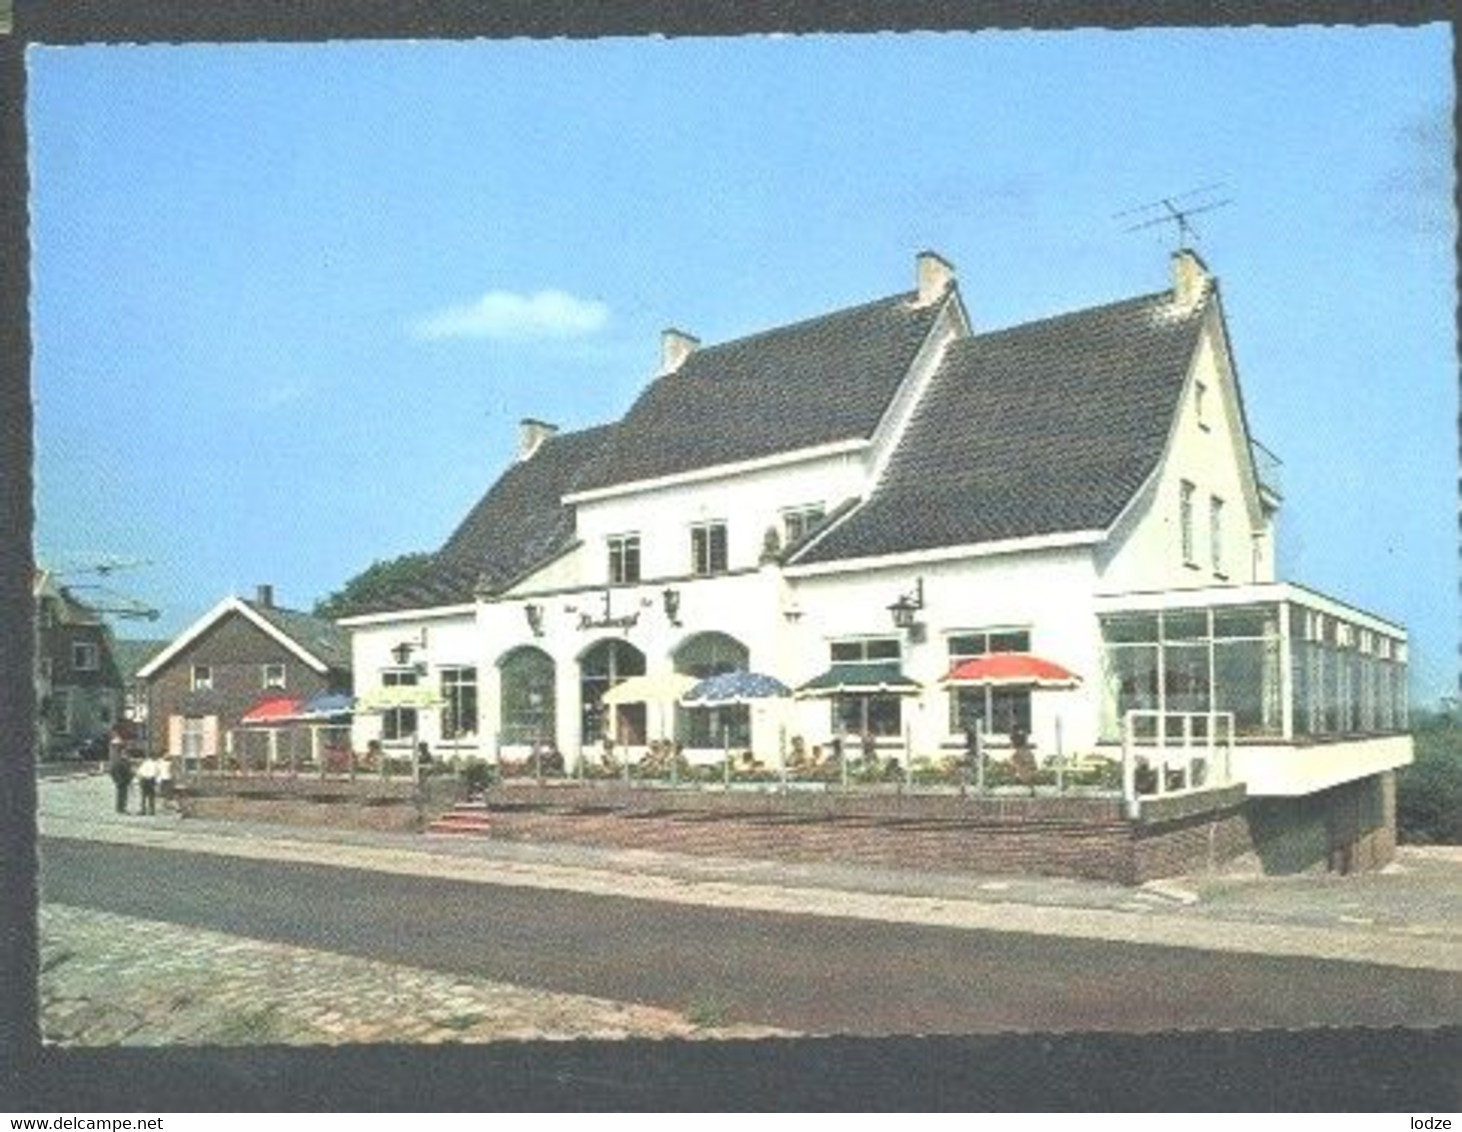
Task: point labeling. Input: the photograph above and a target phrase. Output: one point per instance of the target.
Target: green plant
(477, 775)
(1429, 791)
(707, 1010)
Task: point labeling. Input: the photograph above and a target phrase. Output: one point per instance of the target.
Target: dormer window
(799, 522)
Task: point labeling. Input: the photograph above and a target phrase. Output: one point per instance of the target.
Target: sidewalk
(1409, 916)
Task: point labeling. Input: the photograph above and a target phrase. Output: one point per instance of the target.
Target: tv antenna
(1175, 211)
(98, 597)
(102, 565)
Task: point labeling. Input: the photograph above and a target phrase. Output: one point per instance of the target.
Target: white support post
(1187, 751)
(1161, 752)
(782, 754)
(1129, 765)
(1060, 760)
(979, 757)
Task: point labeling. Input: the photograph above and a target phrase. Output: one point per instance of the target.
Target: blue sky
(290, 302)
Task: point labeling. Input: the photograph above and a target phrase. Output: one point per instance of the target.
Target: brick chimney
(1191, 278)
(675, 347)
(264, 596)
(532, 433)
(935, 275)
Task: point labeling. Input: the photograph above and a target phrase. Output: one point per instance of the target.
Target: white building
(1083, 488)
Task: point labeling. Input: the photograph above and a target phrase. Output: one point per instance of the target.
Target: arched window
(527, 704)
(710, 654)
(601, 668)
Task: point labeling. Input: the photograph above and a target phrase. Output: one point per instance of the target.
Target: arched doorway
(710, 654)
(603, 666)
(527, 706)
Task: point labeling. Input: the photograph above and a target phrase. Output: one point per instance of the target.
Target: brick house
(238, 653)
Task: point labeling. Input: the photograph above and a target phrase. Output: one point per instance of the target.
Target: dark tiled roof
(315, 635)
(811, 383)
(1043, 428)
(520, 524)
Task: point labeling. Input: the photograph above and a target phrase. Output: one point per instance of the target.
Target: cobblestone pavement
(117, 980)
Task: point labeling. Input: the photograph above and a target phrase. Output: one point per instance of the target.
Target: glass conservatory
(1289, 666)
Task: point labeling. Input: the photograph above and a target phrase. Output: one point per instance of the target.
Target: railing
(1171, 752)
(989, 767)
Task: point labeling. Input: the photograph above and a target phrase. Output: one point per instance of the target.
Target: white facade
(1199, 532)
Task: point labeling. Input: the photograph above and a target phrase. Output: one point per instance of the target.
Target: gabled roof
(811, 383)
(322, 639)
(1046, 428)
(320, 644)
(520, 524)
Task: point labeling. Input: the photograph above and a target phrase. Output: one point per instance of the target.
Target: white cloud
(506, 315)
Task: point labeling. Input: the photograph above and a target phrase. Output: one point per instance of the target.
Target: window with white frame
(83, 656)
(1186, 491)
(202, 677)
(994, 711)
(194, 736)
(1200, 404)
(273, 676)
(1215, 533)
(799, 522)
(624, 559)
(708, 548)
(867, 713)
(459, 702)
(398, 723)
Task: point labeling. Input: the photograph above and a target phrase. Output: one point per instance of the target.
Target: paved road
(807, 973)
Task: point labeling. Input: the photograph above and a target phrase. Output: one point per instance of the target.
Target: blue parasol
(730, 688)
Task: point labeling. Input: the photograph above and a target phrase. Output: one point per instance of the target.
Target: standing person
(119, 768)
(165, 779)
(147, 782)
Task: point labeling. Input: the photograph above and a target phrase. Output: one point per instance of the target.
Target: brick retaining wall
(1348, 827)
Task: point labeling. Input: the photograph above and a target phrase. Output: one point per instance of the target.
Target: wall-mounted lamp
(671, 597)
(534, 613)
(907, 605)
(401, 653)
